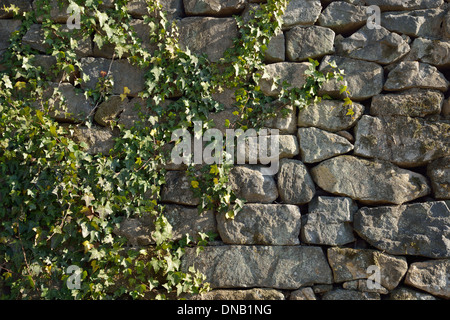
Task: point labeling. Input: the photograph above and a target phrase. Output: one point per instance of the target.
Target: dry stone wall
(359, 208)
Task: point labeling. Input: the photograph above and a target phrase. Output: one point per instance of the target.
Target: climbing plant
(61, 206)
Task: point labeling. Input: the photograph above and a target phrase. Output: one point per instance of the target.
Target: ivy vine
(60, 206)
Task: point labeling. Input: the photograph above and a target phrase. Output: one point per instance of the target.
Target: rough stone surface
(97, 139)
(410, 229)
(342, 17)
(394, 5)
(67, 105)
(7, 27)
(414, 74)
(405, 293)
(364, 79)
(412, 103)
(341, 294)
(417, 23)
(177, 189)
(109, 110)
(439, 174)
(292, 73)
(264, 224)
(249, 183)
(329, 221)
(309, 42)
(317, 145)
(287, 148)
(370, 182)
(353, 264)
(404, 141)
(276, 50)
(376, 45)
(286, 124)
(431, 276)
(212, 36)
(301, 12)
(213, 7)
(124, 74)
(303, 294)
(288, 267)
(295, 185)
(249, 294)
(434, 52)
(329, 115)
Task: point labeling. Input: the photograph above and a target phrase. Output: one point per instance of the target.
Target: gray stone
(431, 276)
(404, 141)
(287, 148)
(186, 220)
(276, 49)
(249, 183)
(213, 7)
(286, 124)
(417, 23)
(303, 294)
(329, 115)
(301, 12)
(411, 229)
(376, 45)
(212, 36)
(434, 52)
(394, 5)
(35, 38)
(136, 231)
(295, 185)
(309, 42)
(411, 103)
(279, 267)
(7, 27)
(353, 264)
(329, 221)
(263, 224)
(439, 173)
(342, 294)
(406, 293)
(414, 74)
(317, 145)
(58, 11)
(67, 104)
(123, 73)
(364, 79)
(98, 139)
(249, 294)
(177, 189)
(292, 73)
(343, 17)
(143, 31)
(138, 8)
(370, 182)
(109, 110)
(365, 286)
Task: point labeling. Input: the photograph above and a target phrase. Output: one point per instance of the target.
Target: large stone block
(309, 42)
(343, 17)
(431, 276)
(439, 173)
(279, 267)
(353, 264)
(212, 36)
(292, 73)
(123, 73)
(370, 182)
(329, 115)
(411, 103)
(376, 45)
(264, 224)
(301, 12)
(213, 7)
(396, 5)
(413, 229)
(177, 189)
(364, 79)
(295, 185)
(414, 74)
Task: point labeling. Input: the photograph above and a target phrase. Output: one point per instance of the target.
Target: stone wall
(359, 207)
